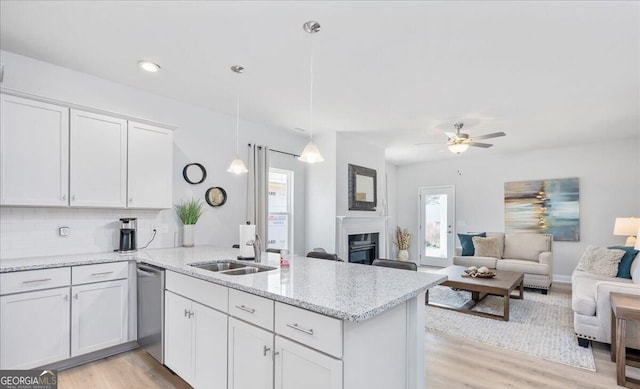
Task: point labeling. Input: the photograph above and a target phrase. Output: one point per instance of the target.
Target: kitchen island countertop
(345, 291)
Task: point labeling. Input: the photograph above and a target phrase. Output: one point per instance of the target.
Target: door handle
(265, 351)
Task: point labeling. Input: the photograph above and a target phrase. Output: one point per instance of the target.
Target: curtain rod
(277, 151)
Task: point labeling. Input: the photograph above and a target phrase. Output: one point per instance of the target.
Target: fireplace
(363, 248)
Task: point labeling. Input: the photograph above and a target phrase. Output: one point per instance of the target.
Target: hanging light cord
(237, 116)
(311, 92)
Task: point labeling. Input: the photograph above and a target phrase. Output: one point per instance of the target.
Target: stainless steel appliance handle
(148, 273)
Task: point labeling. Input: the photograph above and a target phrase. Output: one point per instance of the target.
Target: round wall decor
(216, 196)
(194, 173)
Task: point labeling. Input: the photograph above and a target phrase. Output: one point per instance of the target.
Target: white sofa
(592, 309)
(531, 254)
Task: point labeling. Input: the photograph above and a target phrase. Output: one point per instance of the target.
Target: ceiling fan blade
(451, 135)
(489, 136)
(477, 144)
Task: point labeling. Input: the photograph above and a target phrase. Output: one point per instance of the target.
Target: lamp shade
(626, 226)
(458, 147)
(237, 166)
(311, 154)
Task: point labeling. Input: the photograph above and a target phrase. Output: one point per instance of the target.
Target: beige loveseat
(592, 309)
(531, 254)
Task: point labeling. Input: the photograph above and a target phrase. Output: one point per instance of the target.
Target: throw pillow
(467, 244)
(624, 268)
(486, 247)
(601, 261)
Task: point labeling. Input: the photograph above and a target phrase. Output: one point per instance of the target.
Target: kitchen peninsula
(325, 323)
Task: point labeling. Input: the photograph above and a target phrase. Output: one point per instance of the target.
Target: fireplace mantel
(350, 225)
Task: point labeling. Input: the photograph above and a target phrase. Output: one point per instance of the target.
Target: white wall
(202, 136)
(609, 187)
(392, 207)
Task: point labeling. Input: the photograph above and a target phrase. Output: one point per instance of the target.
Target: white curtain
(257, 188)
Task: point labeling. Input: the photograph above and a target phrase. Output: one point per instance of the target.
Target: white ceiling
(546, 73)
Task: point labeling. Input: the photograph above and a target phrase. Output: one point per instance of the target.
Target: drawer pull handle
(265, 351)
(102, 273)
(296, 327)
(40, 280)
(246, 309)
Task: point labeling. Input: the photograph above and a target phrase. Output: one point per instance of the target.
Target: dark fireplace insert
(363, 248)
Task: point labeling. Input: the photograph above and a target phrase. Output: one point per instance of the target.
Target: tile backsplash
(33, 232)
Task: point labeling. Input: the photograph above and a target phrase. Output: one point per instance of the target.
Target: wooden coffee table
(502, 284)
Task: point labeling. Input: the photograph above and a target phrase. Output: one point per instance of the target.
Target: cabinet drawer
(99, 272)
(251, 308)
(204, 292)
(24, 281)
(317, 331)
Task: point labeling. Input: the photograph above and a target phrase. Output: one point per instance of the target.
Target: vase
(403, 255)
(188, 232)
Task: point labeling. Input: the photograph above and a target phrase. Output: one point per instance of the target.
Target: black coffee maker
(127, 235)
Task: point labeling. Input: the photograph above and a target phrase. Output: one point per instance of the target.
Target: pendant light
(311, 154)
(237, 166)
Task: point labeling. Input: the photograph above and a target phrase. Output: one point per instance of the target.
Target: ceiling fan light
(237, 166)
(458, 148)
(311, 154)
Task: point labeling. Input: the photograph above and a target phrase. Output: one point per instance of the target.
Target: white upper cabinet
(98, 161)
(150, 158)
(34, 153)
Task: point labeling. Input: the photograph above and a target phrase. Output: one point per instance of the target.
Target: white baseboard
(561, 279)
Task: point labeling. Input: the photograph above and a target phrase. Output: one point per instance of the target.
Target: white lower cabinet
(250, 356)
(195, 342)
(99, 316)
(34, 328)
(297, 366)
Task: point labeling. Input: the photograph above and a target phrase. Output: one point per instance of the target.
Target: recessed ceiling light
(149, 66)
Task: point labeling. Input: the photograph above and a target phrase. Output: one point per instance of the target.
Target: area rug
(540, 325)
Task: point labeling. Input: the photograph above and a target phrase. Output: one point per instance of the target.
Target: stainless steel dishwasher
(151, 310)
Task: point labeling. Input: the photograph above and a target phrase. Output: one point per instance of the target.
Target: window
(280, 221)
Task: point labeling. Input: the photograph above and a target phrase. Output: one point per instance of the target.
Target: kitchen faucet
(256, 247)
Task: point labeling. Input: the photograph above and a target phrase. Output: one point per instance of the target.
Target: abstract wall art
(545, 207)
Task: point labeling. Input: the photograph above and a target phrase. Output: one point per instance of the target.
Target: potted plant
(189, 212)
(402, 240)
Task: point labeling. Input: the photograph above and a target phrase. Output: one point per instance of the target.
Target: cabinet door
(178, 348)
(99, 316)
(34, 328)
(34, 153)
(98, 160)
(297, 366)
(210, 347)
(150, 158)
(250, 356)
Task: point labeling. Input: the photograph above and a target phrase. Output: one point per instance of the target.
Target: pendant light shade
(237, 165)
(311, 153)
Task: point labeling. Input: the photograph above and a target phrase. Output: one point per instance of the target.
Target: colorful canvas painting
(544, 206)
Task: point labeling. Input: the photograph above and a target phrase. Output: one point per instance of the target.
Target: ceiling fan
(459, 142)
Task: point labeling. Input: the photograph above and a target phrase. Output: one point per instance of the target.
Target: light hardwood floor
(450, 363)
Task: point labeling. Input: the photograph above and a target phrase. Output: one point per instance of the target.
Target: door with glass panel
(280, 218)
(437, 230)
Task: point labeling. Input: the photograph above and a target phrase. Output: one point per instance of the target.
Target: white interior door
(437, 230)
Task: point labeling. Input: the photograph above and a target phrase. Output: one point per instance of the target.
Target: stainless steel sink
(231, 267)
(219, 265)
(247, 270)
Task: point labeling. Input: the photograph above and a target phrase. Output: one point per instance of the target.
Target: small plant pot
(188, 232)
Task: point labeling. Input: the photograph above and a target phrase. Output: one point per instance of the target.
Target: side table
(623, 307)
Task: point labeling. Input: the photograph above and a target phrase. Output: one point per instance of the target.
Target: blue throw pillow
(467, 244)
(624, 268)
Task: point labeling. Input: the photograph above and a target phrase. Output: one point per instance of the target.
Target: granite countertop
(342, 290)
